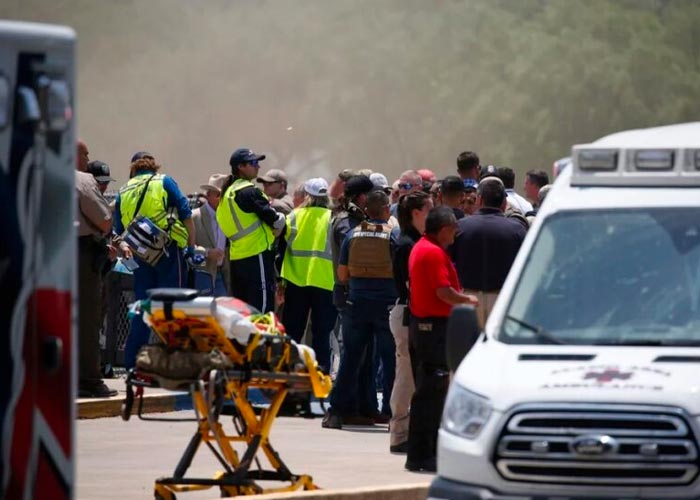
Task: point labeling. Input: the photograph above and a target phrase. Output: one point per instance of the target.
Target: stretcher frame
(213, 389)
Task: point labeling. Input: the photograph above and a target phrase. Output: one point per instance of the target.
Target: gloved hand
(192, 258)
(279, 226)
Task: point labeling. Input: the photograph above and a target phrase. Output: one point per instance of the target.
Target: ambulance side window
(4, 101)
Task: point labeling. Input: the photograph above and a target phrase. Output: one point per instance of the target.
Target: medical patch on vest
(371, 234)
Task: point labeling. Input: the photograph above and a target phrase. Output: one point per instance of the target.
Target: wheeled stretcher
(218, 349)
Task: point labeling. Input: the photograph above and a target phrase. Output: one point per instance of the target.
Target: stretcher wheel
(125, 411)
(170, 496)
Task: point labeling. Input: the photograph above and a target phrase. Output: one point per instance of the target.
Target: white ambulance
(37, 260)
(585, 382)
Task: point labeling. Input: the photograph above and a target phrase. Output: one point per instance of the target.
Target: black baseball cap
(100, 171)
(141, 154)
(488, 171)
(244, 155)
(358, 184)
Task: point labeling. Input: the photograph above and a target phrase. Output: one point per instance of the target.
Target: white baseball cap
(379, 180)
(316, 186)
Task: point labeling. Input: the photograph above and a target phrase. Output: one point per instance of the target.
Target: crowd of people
(365, 270)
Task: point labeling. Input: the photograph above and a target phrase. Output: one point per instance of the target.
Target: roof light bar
(598, 159)
(654, 159)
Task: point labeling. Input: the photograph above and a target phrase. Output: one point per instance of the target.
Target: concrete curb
(156, 403)
(161, 402)
(393, 492)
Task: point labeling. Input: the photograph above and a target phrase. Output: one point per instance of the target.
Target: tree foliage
(384, 84)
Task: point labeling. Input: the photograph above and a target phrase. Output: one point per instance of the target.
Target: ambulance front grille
(602, 445)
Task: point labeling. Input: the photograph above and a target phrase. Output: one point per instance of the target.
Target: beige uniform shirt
(93, 209)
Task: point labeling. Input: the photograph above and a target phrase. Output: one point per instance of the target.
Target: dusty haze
(322, 85)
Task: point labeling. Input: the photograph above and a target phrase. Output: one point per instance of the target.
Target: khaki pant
(486, 302)
(403, 381)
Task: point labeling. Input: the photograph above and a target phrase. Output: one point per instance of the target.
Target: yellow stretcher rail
(268, 361)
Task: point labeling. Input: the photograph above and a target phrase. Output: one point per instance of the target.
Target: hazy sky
(321, 85)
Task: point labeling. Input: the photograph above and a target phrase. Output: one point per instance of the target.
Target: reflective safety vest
(369, 251)
(308, 260)
(154, 206)
(248, 234)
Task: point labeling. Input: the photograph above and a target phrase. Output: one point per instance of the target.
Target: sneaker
(332, 421)
(98, 391)
(399, 448)
(427, 465)
(358, 420)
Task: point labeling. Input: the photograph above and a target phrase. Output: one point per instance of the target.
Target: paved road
(119, 460)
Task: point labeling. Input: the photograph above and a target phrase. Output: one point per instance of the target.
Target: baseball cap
(427, 175)
(274, 175)
(470, 183)
(100, 171)
(316, 186)
(379, 180)
(488, 171)
(141, 154)
(452, 184)
(345, 174)
(358, 184)
(244, 155)
(216, 182)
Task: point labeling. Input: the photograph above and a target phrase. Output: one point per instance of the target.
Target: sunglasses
(254, 163)
(406, 185)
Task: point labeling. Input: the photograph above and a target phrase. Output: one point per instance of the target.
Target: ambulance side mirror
(462, 333)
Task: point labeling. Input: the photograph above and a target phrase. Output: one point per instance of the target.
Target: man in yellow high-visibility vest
(158, 197)
(251, 224)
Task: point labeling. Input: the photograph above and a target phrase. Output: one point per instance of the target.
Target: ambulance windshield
(618, 277)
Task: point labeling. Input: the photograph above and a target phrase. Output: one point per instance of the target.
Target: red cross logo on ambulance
(607, 375)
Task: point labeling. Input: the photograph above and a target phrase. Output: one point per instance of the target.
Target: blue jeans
(169, 272)
(207, 286)
(364, 323)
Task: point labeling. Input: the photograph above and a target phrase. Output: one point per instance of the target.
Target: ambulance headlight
(465, 413)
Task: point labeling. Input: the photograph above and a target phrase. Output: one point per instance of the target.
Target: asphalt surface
(119, 460)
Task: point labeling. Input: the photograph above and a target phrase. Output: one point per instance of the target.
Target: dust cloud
(322, 85)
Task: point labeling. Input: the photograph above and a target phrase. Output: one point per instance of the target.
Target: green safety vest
(247, 233)
(308, 260)
(154, 205)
